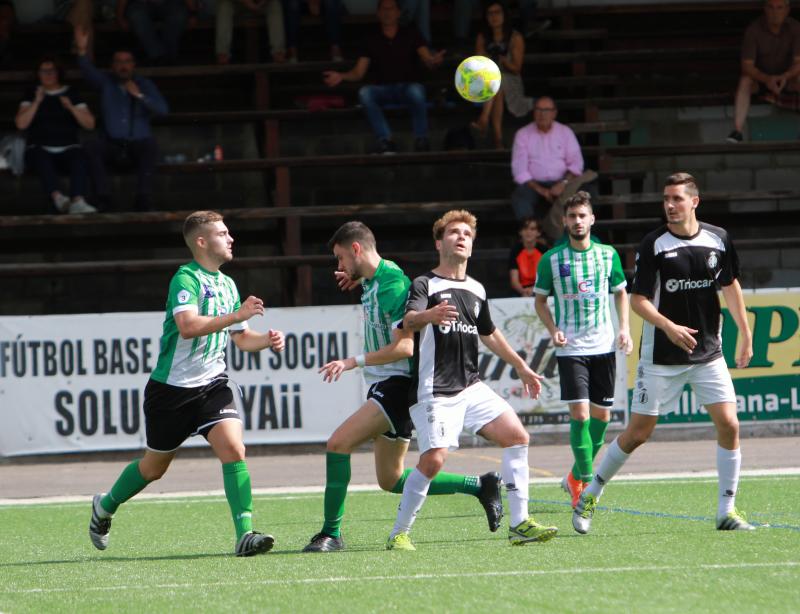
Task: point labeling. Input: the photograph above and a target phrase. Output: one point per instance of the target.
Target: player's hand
(332, 371)
(437, 58)
(559, 339)
(624, 342)
(527, 291)
(682, 336)
(277, 341)
(252, 306)
(557, 189)
(745, 355)
(81, 35)
(66, 103)
(332, 78)
(344, 282)
(443, 313)
(531, 382)
(775, 83)
(133, 89)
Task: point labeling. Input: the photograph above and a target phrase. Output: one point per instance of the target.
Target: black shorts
(391, 395)
(172, 414)
(588, 378)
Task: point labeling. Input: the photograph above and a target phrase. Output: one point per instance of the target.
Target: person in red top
(525, 256)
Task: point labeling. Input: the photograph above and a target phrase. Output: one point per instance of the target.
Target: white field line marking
(288, 493)
(396, 578)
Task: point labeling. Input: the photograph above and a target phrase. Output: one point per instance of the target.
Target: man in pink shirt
(546, 159)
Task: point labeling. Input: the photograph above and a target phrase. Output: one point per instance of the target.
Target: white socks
(516, 475)
(612, 462)
(415, 490)
(728, 464)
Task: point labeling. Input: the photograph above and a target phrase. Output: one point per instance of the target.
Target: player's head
(388, 12)
(49, 71)
(350, 244)
(579, 215)
(208, 237)
(545, 112)
(776, 12)
(681, 198)
(123, 63)
(454, 233)
(530, 230)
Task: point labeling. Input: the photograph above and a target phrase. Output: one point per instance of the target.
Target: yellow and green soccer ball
(477, 79)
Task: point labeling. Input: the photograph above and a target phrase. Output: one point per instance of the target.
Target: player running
(679, 269)
(188, 393)
(580, 275)
(387, 369)
(448, 312)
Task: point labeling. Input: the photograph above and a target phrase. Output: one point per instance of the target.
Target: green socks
(236, 479)
(581, 444)
(129, 483)
(597, 433)
(338, 478)
(445, 484)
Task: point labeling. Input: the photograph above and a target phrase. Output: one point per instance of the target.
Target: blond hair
(452, 216)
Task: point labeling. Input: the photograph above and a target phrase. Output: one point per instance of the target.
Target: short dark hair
(55, 61)
(353, 232)
(123, 49)
(684, 179)
(195, 221)
(523, 223)
(579, 199)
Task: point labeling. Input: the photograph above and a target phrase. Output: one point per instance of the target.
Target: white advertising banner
(75, 382)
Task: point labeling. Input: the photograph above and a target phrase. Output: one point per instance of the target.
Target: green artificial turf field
(653, 548)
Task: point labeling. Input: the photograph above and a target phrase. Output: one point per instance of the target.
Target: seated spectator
(273, 15)
(506, 48)
(127, 101)
(331, 16)
(770, 60)
(142, 16)
(51, 114)
(390, 58)
(7, 18)
(547, 165)
(525, 256)
(462, 16)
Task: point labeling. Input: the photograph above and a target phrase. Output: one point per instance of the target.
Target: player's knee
(338, 445)
(387, 480)
(430, 464)
(365, 96)
(152, 473)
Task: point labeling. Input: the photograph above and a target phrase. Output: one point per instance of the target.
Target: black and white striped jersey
(681, 276)
(446, 356)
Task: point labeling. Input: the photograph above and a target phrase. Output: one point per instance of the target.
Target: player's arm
(431, 60)
(682, 336)
(191, 324)
(443, 313)
(624, 341)
(513, 279)
(332, 78)
(546, 316)
(402, 346)
(497, 343)
(735, 302)
(249, 340)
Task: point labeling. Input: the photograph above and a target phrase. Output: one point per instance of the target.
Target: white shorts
(439, 422)
(658, 388)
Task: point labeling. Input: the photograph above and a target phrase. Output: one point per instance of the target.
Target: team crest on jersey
(476, 308)
(713, 260)
(183, 296)
(564, 270)
(208, 291)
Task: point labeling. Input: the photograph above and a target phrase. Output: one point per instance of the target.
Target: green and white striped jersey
(581, 283)
(384, 300)
(195, 362)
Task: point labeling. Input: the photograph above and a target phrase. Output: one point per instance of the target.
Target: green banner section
(757, 398)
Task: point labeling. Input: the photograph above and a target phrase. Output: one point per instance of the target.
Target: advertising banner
(769, 389)
(75, 382)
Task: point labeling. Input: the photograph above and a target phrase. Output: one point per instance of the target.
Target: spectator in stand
(128, 102)
(462, 16)
(770, 61)
(547, 166)
(273, 15)
(142, 16)
(51, 115)
(506, 47)
(525, 256)
(331, 16)
(7, 18)
(390, 59)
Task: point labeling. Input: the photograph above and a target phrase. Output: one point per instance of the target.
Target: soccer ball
(477, 79)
